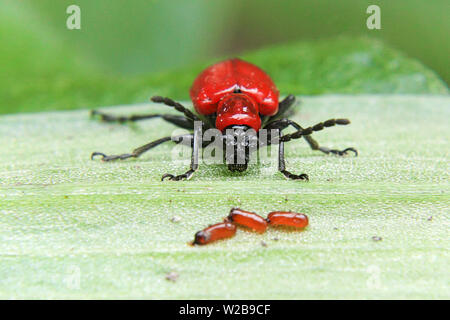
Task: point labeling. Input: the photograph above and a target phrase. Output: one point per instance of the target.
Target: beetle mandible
(233, 96)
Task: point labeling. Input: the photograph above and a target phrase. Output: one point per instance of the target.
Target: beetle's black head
(239, 141)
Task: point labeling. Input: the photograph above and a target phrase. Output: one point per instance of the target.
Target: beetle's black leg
(179, 121)
(121, 119)
(282, 165)
(280, 125)
(194, 158)
(178, 106)
(139, 151)
(284, 123)
(283, 109)
(285, 105)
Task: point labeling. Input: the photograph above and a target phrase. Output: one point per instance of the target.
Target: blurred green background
(125, 47)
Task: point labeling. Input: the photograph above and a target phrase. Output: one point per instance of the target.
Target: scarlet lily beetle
(232, 96)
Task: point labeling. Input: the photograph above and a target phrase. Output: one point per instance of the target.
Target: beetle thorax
(237, 109)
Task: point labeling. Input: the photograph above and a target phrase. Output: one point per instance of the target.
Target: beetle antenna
(178, 106)
(320, 126)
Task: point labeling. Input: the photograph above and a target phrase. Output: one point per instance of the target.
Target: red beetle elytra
(237, 92)
(232, 96)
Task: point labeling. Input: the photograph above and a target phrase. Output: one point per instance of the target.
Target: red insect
(232, 96)
(288, 219)
(248, 219)
(215, 232)
(236, 91)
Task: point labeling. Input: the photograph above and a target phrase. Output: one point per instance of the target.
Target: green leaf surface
(75, 228)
